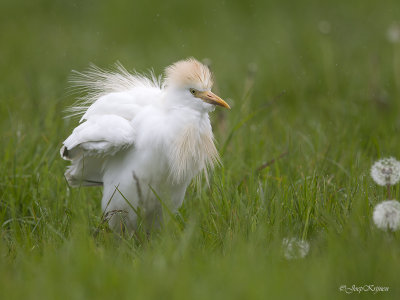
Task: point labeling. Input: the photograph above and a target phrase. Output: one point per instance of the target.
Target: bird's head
(193, 82)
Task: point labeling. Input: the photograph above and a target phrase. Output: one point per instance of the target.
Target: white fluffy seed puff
(294, 248)
(386, 171)
(143, 139)
(387, 215)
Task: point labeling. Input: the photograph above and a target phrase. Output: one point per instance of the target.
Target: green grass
(324, 106)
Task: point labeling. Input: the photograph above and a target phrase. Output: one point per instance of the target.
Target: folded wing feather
(91, 142)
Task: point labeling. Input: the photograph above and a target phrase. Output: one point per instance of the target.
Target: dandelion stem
(388, 191)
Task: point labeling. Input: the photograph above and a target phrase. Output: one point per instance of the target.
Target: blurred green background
(315, 83)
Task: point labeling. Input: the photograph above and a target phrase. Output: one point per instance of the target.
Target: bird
(143, 138)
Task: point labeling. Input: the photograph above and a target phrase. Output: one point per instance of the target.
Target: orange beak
(211, 98)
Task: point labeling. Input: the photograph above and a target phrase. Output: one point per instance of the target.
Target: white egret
(142, 138)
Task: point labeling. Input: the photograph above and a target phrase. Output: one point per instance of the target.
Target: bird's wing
(99, 136)
(91, 143)
(112, 102)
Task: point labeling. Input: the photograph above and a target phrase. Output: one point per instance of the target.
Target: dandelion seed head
(386, 171)
(387, 215)
(393, 33)
(294, 248)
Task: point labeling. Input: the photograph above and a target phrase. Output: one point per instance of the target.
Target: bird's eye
(193, 91)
